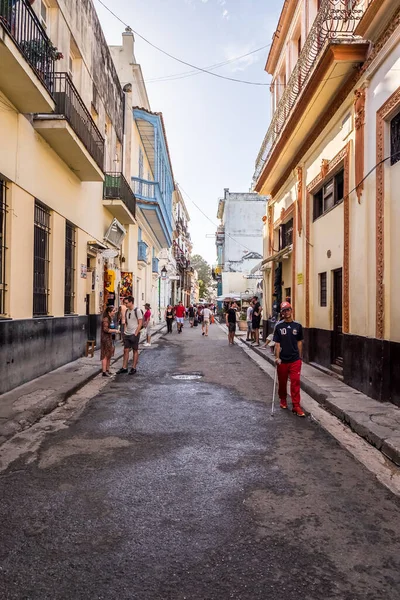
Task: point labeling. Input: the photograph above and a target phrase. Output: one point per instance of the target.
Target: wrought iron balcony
(142, 252)
(335, 23)
(116, 188)
(70, 104)
(154, 264)
(22, 24)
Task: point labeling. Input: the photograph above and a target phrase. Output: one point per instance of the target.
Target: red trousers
(291, 370)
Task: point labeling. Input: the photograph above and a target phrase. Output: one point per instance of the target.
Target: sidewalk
(23, 406)
(377, 422)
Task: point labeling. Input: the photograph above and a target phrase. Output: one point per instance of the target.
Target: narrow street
(173, 489)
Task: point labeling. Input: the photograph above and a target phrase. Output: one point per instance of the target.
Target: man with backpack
(133, 325)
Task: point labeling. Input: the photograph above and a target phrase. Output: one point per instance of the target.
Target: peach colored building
(331, 163)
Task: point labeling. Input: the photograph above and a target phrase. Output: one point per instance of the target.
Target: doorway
(337, 357)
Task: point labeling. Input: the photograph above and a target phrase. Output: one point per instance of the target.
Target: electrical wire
(183, 62)
(186, 74)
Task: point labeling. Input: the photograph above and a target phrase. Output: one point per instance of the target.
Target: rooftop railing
(335, 23)
(22, 24)
(70, 104)
(117, 187)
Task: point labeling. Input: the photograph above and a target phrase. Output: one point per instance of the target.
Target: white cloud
(243, 63)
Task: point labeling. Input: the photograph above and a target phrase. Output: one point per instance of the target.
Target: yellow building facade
(61, 125)
(330, 161)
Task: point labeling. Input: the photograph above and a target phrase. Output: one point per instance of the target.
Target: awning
(285, 253)
(98, 246)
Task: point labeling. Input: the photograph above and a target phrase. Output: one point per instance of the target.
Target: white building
(239, 241)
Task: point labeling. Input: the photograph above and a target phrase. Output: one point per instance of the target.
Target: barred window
(3, 247)
(323, 289)
(70, 245)
(41, 260)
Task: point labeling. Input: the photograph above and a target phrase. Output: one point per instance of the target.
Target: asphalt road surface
(173, 489)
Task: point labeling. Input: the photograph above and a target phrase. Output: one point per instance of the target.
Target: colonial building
(239, 241)
(152, 181)
(330, 161)
(61, 124)
(182, 248)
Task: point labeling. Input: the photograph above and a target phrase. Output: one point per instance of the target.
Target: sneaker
(132, 371)
(122, 370)
(283, 404)
(203, 333)
(105, 374)
(297, 410)
(146, 344)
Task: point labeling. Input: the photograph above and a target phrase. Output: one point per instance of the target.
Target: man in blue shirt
(288, 338)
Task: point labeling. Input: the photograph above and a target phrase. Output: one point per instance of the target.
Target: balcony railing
(71, 106)
(150, 190)
(154, 265)
(116, 187)
(142, 251)
(22, 24)
(335, 23)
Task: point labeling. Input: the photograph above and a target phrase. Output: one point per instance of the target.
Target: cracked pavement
(153, 488)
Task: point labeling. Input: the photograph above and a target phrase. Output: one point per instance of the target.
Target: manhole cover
(187, 376)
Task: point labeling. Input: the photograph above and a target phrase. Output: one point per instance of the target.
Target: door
(338, 317)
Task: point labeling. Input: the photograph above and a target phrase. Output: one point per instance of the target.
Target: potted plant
(242, 321)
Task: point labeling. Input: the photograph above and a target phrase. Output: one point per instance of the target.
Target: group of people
(128, 323)
(202, 313)
(287, 344)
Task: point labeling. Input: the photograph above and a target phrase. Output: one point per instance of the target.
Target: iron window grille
(69, 290)
(286, 235)
(330, 194)
(323, 289)
(395, 139)
(3, 247)
(41, 260)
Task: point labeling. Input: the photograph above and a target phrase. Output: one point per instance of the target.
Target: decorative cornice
(327, 169)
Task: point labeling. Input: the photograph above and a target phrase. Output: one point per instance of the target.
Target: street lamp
(163, 273)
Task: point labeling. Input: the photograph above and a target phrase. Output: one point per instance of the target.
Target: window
(41, 260)
(322, 289)
(286, 234)
(395, 139)
(288, 294)
(3, 248)
(69, 290)
(329, 195)
(44, 14)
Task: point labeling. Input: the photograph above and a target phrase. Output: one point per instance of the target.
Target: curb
(359, 422)
(29, 417)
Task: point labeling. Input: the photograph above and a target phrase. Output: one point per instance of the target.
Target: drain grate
(187, 376)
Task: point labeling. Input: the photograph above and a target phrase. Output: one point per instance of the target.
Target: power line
(186, 74)
(211, 221)
(183, 62)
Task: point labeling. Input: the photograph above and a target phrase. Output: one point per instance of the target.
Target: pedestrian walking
(180, 316)
(169, 317)
(134, 323)
(256, 320)
(106, 342)
(191, 313)
(288, 338)
(249, 319)
(206, 320)
(121, 318)
(230, 319)
(147, 324)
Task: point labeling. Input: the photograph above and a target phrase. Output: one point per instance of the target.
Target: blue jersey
(287, 335)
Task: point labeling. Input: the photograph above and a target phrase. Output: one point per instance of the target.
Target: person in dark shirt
(256, 320)
(230, 318)
(288, 338)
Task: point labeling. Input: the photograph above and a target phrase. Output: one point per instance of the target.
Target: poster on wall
(126, 288)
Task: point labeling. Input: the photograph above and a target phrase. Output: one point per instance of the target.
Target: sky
(214, 127)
